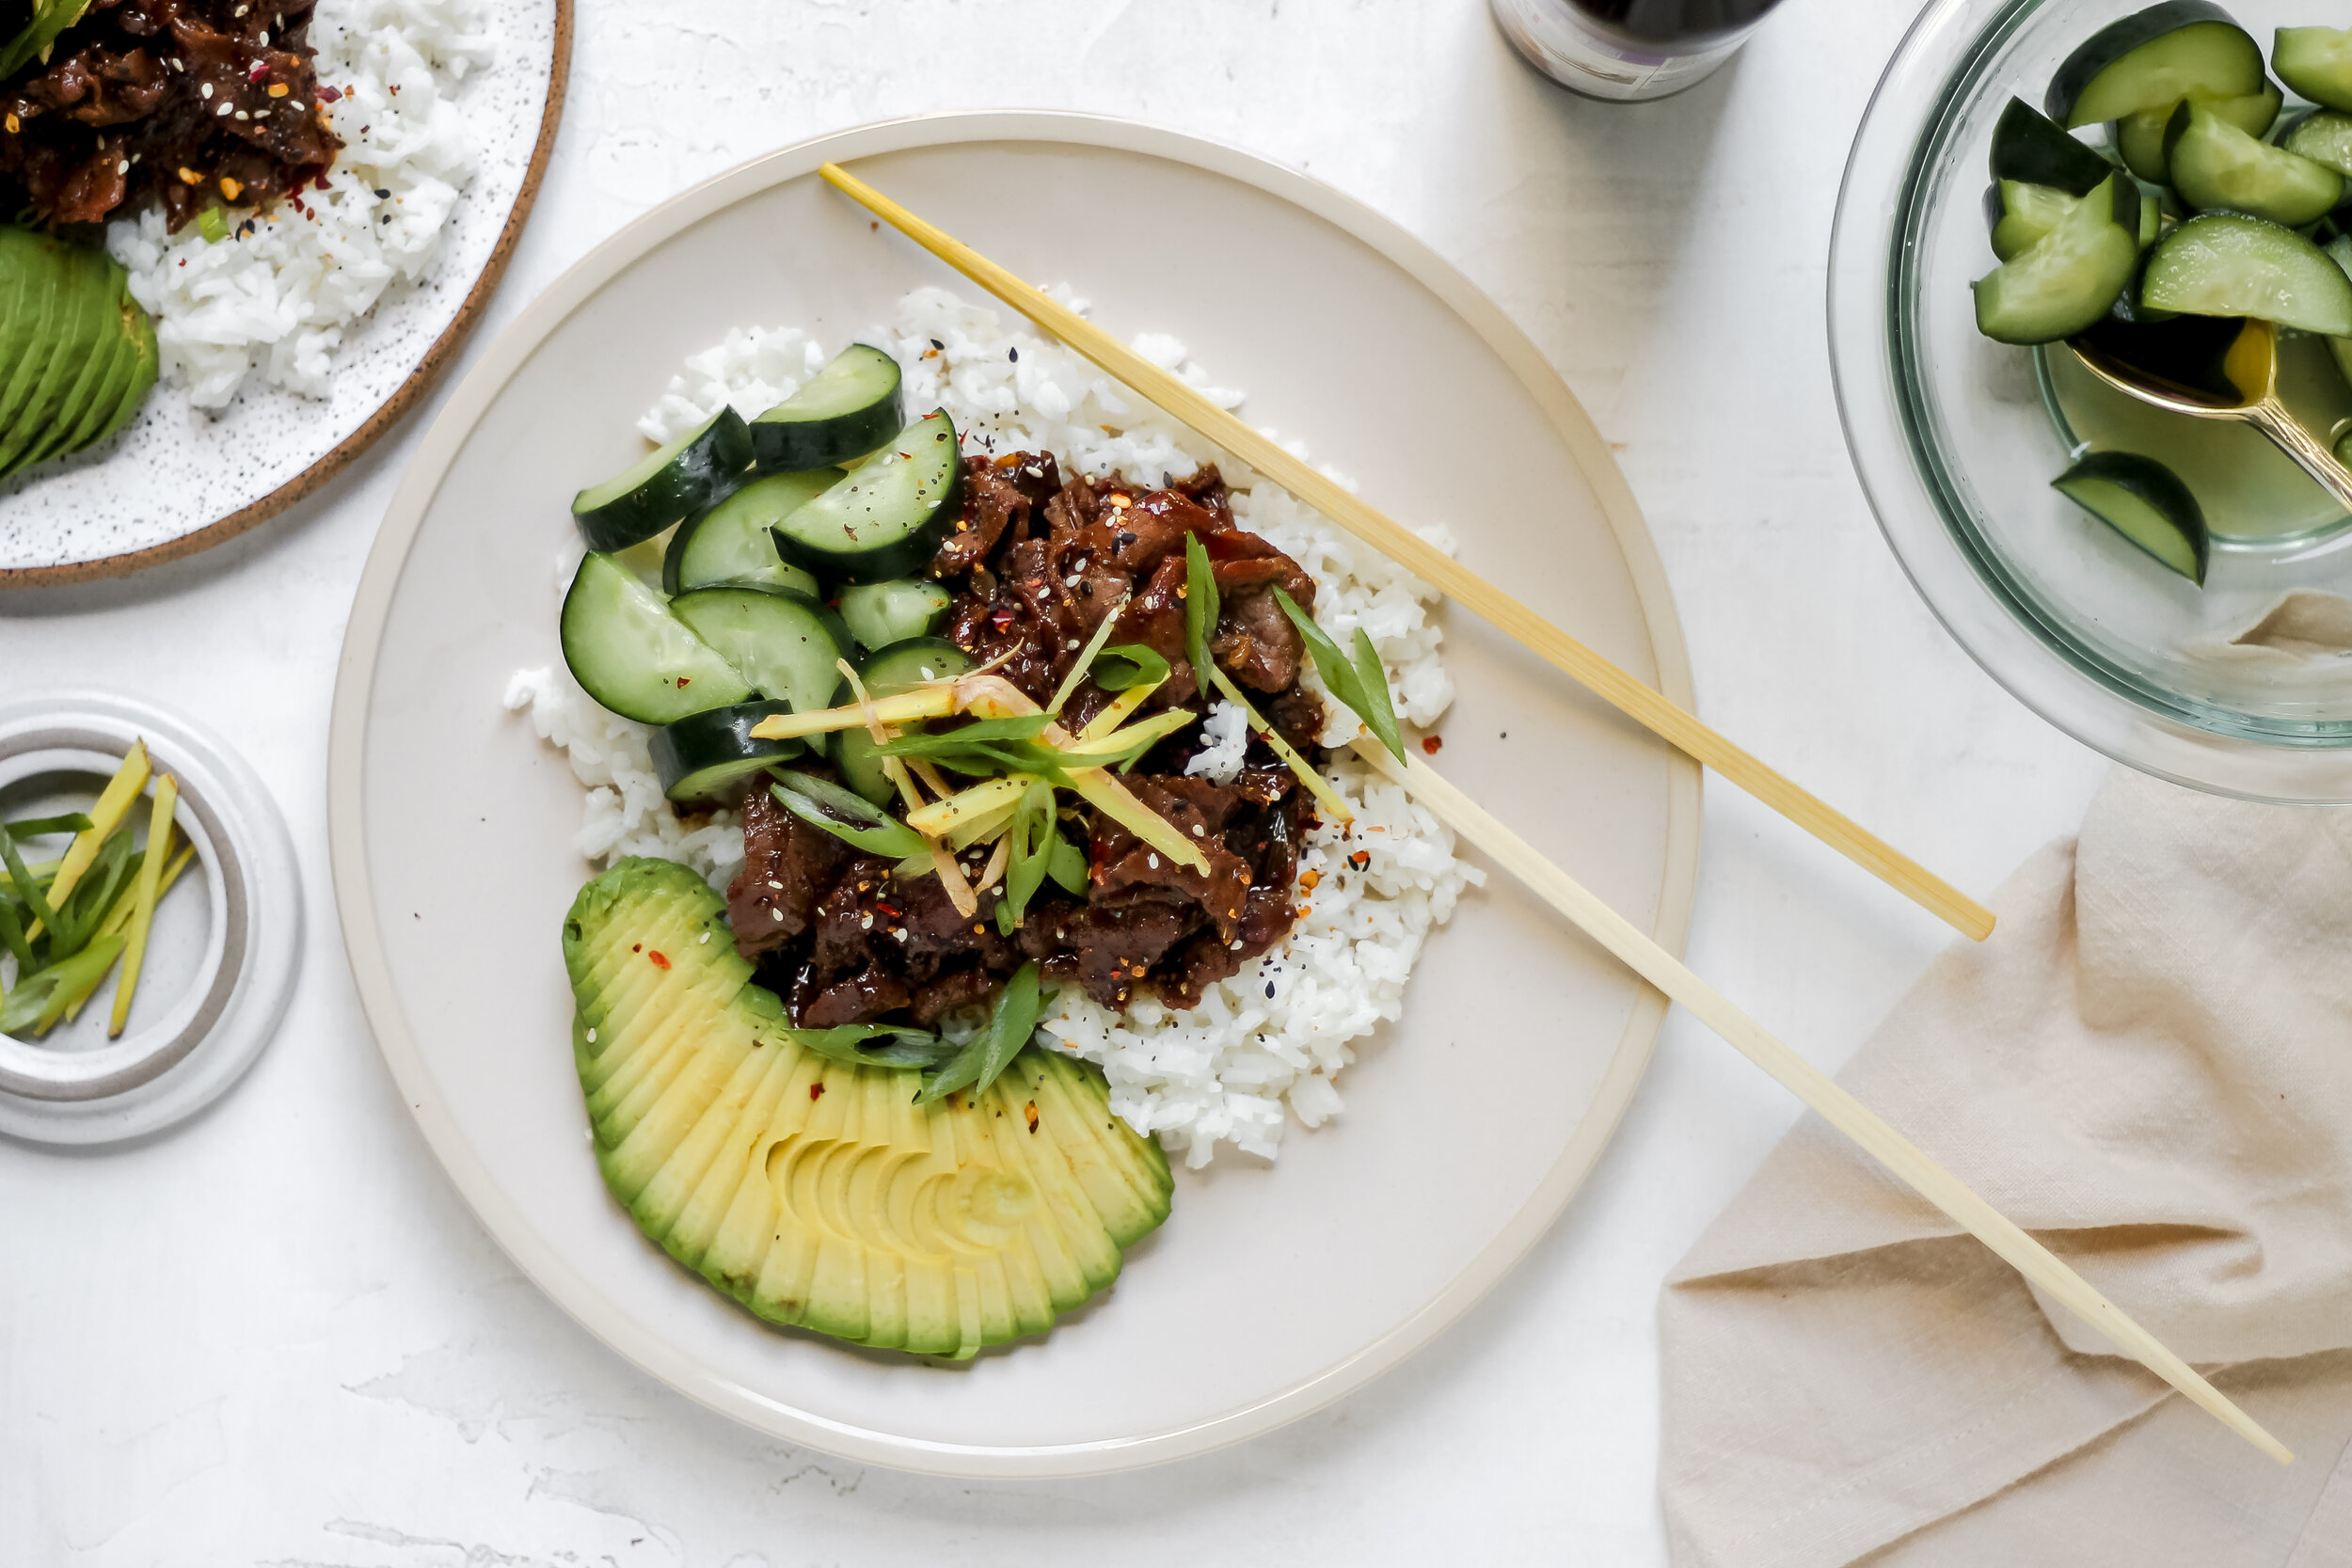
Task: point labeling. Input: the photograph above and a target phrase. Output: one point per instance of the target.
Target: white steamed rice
(1282, 1029)
(279, 299)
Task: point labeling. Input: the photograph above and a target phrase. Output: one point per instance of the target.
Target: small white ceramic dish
(178, 481)
(1273, 1289)
(223, 953)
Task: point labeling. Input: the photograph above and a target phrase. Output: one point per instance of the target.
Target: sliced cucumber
(2152, 59)
(788, 647)
(847, 409)
(2145, 502)
(2032, 150)
(2028, 212)
(706, 756)
(2215, 165)
(885, 519)
(2229, 265)
(2315, 62)
(2325, 138)
(2068, 277)
(2140, 138)
(881, 614)
(693, 474)
(631, 654)
(888, 672)
(732, 545)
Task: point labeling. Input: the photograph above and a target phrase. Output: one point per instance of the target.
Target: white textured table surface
(276, 1336)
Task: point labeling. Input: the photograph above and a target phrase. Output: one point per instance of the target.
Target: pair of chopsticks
(1623, 939)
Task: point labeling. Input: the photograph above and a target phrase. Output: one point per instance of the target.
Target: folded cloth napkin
(2149, 1066)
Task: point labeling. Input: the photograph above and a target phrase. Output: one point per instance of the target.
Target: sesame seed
(591, 1036)
(205, 92)
(226, 109)
(1155, 861)
(776, 915)
(241, 114)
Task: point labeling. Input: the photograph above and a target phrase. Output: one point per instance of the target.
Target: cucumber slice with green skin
(692, 474)
(2145, 502)
(2032, 150)
(847, 409)
(2315, 62)
(2070, 276)
(2325, 138)
(2028, 212)
(732, 545)
(631, 654)
(2152, 59)
(887, 519)
(708, 756)
(881, 614)
(888, 672)
(788, 647)
(2215, 165)
(2140, 138)
(2229, 265)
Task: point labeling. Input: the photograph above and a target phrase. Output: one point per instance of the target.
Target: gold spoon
(2251, 369)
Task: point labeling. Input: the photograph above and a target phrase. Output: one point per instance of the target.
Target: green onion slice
(850, 817)
(991, 1050)
(1129, 665)
(41, 827)
(1200, 608)
(1361, 688)
(916, 1048)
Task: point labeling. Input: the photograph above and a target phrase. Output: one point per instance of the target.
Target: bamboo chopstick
(1841, 1110)
(1603, 678)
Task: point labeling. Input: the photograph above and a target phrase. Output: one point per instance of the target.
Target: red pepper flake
(1309, 878)
(260, 68)
(816, 1090)
(637, 947)
(1361, 859)
(329, 95)
(684, 681)
(1432, 743)
(1029, 1111)
(658, 962)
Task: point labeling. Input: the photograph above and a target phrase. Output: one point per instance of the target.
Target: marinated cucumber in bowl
(692, 474)
(2139, 139)
(734, 545)
(2215, 165)
(2029, 149)
(847, 409)
(629, 653)
(711, 756)
(2068, 277)
(2145, 502)
(2315, 62)
(885, 519)
(2153, 60)
(2229, 265)
(2324, 138)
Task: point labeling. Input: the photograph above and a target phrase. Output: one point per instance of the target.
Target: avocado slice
(817, 1192)
(72, 326)
(33, 269)
(138, 332)
(89, 347)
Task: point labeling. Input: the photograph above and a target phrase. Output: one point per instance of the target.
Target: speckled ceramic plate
(1273, 1289)
(178, 480)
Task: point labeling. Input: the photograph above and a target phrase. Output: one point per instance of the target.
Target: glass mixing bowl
(2242, 688)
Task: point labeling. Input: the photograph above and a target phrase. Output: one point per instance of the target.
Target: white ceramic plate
(178, 480)
(1273, 1289)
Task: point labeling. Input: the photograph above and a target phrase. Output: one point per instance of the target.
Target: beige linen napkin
(2149, 1066)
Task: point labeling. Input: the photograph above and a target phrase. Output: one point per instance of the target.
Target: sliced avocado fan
(817, 1192)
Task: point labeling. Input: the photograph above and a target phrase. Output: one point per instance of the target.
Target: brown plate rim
(428, 370)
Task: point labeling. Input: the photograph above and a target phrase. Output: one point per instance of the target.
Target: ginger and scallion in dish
(67, 922)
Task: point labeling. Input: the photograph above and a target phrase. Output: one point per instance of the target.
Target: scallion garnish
(1202, 607)
(1361, 687)
(1128, 666)
(850, 817)
(914, 1048)
(41, 827)
(1009, 1025)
